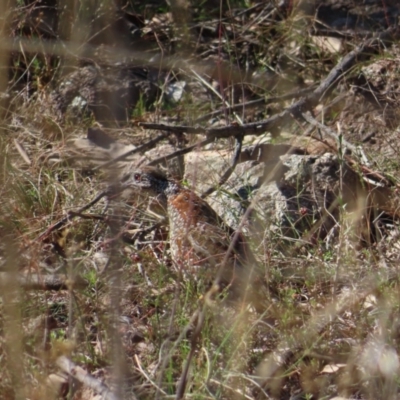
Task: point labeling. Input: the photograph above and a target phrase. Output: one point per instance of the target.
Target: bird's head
(148, 179)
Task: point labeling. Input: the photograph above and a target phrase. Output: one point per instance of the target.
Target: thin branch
(181, 152)
(367, 172)
(62, 222)
(229, 171)
(144, 147)
(349, 34)
(142, 233)
(263, 101)
(146, 375)
(172, 128)
(366, 50)
(195, 317)
(85, 378)
(180, 392)
(311, 120)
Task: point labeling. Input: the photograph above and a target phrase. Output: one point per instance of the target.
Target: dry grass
(330, 326)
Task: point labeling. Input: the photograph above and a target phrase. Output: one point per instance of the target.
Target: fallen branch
(262, 101)
(273, 124)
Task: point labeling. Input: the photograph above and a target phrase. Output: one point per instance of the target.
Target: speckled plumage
(199, 239)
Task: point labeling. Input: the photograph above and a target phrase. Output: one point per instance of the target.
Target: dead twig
(367, 172)
(143, 232)
(194, 340)
(328, 131)
(181, 152)
(263, 101)
(144, 147)
(62, 222)
(229, 171)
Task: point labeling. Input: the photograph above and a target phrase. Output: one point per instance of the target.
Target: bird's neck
(172, 188)
(168, 188)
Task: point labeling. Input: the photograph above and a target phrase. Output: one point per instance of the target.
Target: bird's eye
(137, 177)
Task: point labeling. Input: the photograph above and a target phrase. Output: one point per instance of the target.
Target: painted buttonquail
(199, 239)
